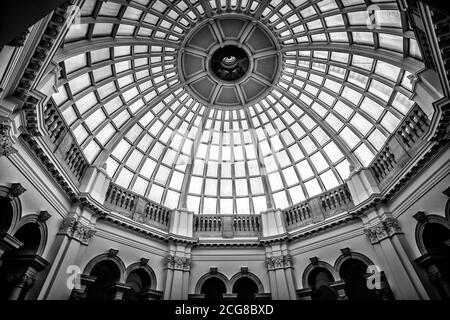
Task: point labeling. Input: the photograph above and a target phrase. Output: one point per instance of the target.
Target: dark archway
(139, 282)
(353, 271)
(436, 239)
(435, 236)
(245, 288)
(18, 265)
(6, 214)
(213, 289)
(107, 274)
(320, 281)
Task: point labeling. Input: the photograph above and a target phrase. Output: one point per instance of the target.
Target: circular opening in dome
(229, 63)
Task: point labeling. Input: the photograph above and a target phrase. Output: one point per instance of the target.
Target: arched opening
(436, 239)
(139, 281)
(19, 266)
(245, 288)
(435, 236)
(30, 235)
(320, 281)
(107, 274)
(353, 271)
(6, 214)
(213, 289)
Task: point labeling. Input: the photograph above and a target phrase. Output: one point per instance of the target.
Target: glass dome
(322, 94)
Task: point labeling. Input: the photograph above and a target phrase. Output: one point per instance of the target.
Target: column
(386, 236)
(281, 272)
(177, 267)
(21, 284)
(75, 232)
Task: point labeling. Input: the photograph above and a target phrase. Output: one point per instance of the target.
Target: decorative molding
(177, 263)
(19, 41)
(420, 216)
(112, 252)
(75, 230)
(279, 262)
(213, 270)
(43, 216)
(346, 252)
(6, 143)
(16, 190)
(314, 261)
(383, 230)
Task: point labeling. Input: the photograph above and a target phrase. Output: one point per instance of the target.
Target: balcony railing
(63, 143)
(400, 147)
(227, 226)
(136, 207)
(318, 208)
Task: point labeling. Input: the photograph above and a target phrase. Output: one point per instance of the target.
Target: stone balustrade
(62, 142)
(398, 149)
(136, 207)
(227, 226)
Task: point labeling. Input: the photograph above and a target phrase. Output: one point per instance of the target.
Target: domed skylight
(334, 87)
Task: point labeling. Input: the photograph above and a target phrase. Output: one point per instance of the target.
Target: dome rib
(118, 137)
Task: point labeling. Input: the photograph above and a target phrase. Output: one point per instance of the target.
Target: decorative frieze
(6, 144)
(279, 262)
(383, 230)
(178, 263)
(75, 230)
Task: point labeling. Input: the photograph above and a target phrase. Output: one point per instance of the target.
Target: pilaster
(74, 234)
(177, 268)
(386, 237)
(280, 267)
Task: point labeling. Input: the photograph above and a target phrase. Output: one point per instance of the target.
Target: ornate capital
(178, 263)
(383, 230)
(279, 262)
(75, 230)
(19, 279)
(6, 148)
(16, 190)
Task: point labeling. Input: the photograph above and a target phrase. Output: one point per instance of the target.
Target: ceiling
(327, 84)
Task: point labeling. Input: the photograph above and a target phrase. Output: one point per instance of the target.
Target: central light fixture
(229, 63)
